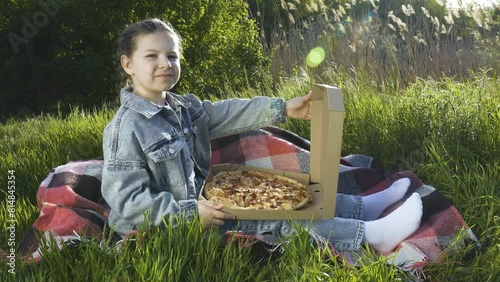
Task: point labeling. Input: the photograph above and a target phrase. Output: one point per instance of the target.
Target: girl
(157, 152)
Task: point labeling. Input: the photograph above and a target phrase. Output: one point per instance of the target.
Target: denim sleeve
(234, 116)
(127, 189)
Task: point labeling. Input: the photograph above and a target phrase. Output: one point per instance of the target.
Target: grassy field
(420, 94)
(447, 132)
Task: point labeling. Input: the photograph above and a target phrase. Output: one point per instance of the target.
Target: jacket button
(186, 131)
(170, 150)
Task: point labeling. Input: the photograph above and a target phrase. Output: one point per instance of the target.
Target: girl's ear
(126, 64)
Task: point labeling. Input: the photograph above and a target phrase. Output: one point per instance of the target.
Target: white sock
(375, 204)
(386, 233)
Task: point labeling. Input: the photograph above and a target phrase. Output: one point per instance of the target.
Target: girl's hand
(211, 214)
(299, 107)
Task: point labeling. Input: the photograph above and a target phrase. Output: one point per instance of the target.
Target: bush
(63, 52)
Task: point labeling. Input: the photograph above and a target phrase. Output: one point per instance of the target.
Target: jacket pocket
(167, 168)
(165, 151)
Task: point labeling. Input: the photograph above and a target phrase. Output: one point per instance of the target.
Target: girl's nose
(165, 63)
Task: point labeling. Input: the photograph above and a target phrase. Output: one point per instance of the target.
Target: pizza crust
(256, 190)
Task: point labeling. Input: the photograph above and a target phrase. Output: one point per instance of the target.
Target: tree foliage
(64, 51)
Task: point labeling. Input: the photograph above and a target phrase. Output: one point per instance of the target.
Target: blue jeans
(345, 231)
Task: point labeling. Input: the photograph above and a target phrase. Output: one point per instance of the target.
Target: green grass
(448, 132)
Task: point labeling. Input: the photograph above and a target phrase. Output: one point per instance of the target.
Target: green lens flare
(315, 57)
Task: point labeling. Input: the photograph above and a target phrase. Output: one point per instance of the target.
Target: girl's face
(155, 65)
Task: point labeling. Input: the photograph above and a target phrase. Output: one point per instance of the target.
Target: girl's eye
(151, 56)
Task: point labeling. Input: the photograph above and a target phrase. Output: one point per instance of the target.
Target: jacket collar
(146, 107)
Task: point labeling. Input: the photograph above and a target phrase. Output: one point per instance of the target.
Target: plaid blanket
(71, 204)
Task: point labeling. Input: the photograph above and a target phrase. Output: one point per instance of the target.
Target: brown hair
(127, 42)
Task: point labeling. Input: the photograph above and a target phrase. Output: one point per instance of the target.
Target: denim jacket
(156, 157)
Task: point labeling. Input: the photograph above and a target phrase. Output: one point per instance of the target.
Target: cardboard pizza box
(327, 118)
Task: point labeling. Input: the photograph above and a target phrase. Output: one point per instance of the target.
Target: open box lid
(327, 118)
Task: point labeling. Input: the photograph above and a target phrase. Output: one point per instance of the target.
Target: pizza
(256, 190)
